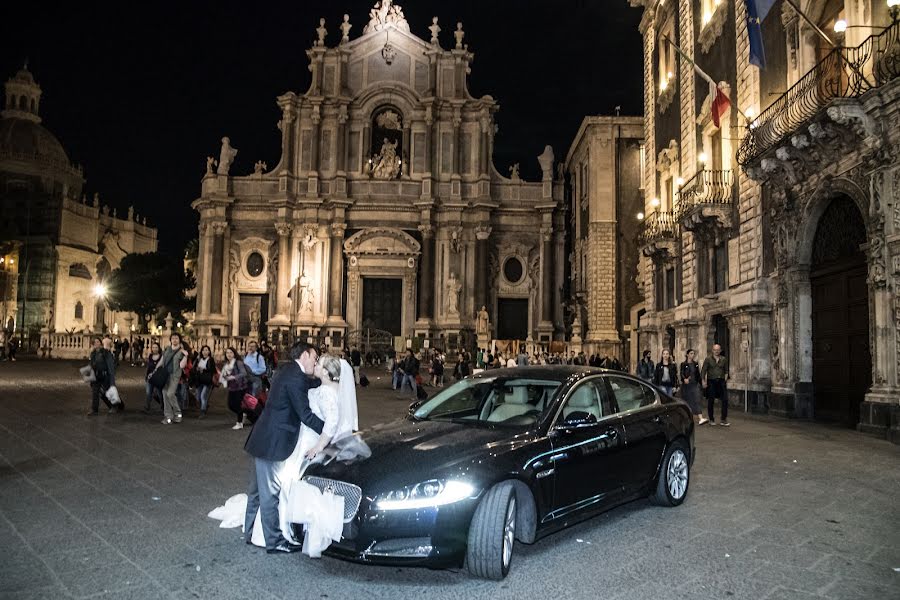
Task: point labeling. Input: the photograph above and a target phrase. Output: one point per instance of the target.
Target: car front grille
(352, 494)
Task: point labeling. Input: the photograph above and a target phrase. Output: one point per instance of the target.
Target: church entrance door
(842, 363)
(383, 304)
(512, 318)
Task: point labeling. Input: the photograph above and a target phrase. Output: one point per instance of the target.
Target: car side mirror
(577, 419)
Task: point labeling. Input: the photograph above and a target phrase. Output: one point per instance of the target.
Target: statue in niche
(306, 293)
(453, 288)
(253, 314)
(226, 156)
(345, 29)
(386, 164)
(483, 322)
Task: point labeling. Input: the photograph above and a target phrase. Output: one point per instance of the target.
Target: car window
(511, 401)
(588, 397)
(631, 394)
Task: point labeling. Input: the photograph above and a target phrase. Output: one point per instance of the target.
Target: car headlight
(427, 494)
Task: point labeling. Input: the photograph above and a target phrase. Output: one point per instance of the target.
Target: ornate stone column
(282, 310)
(203, 264)
(482, 233)
(218, 267)
(546, 325)
(426, 276)
(336, 275)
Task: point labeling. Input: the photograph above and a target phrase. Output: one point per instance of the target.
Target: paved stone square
(115, 507)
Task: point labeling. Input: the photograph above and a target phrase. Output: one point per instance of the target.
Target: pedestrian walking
(356, 363)
(437, 370)
(409, 370)
(205, 375)
(646, 369)
(152, 393)
(256, 367)
(715, 375)
(173, 360)
(665, 374)
(235, 379)
(12, 346)
(104, 367)
(690, 385)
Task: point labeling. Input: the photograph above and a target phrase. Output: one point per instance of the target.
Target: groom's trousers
(262, 494)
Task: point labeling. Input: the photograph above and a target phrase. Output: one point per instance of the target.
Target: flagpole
(811, 23)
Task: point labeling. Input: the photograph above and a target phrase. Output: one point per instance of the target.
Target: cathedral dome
(22, 138)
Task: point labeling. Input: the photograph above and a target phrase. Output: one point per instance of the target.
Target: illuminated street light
(840, 26)
(100, 290)
(640, 216)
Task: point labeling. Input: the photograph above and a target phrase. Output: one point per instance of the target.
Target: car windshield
(510, 401)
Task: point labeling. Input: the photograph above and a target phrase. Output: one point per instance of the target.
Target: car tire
(674, 475)
(492, 533)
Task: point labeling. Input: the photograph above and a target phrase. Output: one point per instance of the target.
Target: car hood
(406, 452)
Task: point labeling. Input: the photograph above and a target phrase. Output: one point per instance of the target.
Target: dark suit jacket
(275, 434)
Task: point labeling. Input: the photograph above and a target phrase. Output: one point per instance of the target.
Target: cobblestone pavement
(115, 507)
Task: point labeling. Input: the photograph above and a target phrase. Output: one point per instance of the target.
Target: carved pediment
(382, 241)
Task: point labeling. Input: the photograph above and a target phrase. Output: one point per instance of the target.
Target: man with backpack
(256, 364)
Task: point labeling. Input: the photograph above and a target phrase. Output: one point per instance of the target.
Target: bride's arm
(328, 404)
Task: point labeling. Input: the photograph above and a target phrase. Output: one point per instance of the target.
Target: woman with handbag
(690, 385)
(234, 378)
(205, 374)
(665, 373)
(152, 392)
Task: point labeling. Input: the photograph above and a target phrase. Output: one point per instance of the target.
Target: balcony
(844, 73)
(658, 233)
(707, 195)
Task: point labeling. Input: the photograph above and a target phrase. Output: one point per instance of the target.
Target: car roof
(559, 373)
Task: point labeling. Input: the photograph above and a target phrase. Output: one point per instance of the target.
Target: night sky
(139, 95)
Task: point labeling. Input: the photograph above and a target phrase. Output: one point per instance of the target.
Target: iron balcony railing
(658, 226)
(705, 187)
(842, 73)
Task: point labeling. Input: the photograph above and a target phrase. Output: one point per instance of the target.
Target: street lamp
(100, 291)
(894, 9)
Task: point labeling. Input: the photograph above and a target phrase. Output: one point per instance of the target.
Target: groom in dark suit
(274, 437)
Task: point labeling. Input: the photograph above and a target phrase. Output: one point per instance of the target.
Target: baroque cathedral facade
(385, 212)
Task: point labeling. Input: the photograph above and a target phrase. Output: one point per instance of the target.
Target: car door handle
(612, 432)
(657, 419)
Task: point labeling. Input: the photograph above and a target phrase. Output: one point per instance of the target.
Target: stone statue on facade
(383, 13)
(386, 164)
(259, 167)
(345, 29)
(253, 314)
(483, 322)
(546, 161)
(210, 165)
(514, 172)
(321, 32)
(453, 288)
(306, 295)
(435, 29)
(459, 34)
(226, 156)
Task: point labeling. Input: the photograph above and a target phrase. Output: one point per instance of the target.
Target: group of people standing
(691, 380)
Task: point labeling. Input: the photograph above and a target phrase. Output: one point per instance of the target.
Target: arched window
(23, 103)
(387, 151)
(79, 310)
(80, 271)
(32, 106)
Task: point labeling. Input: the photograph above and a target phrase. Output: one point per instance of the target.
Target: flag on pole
(756, 13)
(720, 101)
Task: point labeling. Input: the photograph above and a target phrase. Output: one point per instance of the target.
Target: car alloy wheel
(677, 474)
(509, 532)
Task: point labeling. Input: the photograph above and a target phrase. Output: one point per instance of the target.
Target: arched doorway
(841, 359)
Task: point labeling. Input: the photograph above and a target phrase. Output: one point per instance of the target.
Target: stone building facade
(64, 246)
(604, 166)
(385, 211)
(778, 234)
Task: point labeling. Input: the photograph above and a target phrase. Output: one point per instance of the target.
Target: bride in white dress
(335, 403)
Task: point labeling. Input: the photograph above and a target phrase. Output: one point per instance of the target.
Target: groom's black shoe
(286, 547)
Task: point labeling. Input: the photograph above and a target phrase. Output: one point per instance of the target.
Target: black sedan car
(506, 455)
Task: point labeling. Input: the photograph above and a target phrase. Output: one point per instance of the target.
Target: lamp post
(894, 9)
